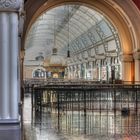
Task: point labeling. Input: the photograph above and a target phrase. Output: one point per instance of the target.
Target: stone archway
(120, 14)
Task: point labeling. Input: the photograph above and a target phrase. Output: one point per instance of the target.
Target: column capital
(10, 5)
(136, 55)
(126, 57)
(22, 54)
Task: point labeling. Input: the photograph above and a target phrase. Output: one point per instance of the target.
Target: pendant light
(68, 51)
(54, 50)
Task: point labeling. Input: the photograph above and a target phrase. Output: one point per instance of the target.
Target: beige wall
(27, 72)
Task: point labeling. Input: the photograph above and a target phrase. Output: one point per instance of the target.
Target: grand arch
(122, 13)
(118, 12)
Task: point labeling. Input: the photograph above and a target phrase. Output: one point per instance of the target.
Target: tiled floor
(76, 126)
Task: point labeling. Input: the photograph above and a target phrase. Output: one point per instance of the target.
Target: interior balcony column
(127, 68)
(137, 67)
(73, 71)
(99, 70)
(9, 59)
(91, 63)
(79, 70)
(21, 73)
(68, 72)
(85, 70)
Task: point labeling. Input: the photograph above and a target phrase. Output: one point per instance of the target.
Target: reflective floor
(77, 125)
(10, 132)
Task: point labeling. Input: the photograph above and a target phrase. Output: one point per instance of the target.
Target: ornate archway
(117, 13)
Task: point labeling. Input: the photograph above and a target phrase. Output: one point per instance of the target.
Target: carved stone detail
(9, 4)
(136, 55)
(126, 58)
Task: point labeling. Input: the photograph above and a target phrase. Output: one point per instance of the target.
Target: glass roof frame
(43, 27)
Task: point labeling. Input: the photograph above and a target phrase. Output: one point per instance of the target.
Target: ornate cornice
(6, 5)
(126, 58)
(137, 55)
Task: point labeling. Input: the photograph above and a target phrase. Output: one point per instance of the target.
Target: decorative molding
(136, 55)
(10, 4)
(126, 58)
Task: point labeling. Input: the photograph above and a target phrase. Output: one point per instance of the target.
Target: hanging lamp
(68, 51)
(55, 58)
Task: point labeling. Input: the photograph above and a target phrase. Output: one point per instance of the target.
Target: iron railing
(87, 107)
(93, 97)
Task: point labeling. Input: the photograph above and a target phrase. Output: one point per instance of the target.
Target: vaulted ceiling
(82, 30)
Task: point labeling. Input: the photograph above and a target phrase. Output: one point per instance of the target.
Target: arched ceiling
(83, 29)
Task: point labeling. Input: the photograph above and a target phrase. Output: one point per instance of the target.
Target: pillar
(22, 53)
(9, 55)
(137, 67)
(21, 73)
(79, 71)
(69, 72)
(91, 66)
(99, 70)
(85, 70)
(74, 70)
(127, 68)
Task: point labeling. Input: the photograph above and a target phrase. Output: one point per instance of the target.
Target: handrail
(64, 83)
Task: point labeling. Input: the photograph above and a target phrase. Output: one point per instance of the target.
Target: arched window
(39, 73)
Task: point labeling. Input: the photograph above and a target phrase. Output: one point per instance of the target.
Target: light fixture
(54, 50)
(55, 58)
(68, 51)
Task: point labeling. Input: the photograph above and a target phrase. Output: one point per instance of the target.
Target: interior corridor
(69, 70)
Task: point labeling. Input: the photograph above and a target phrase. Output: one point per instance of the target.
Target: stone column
(76, 71)
(21, 51)
(74, 67)
(99, 70)
(137, 67)
(69, 72)
(9, 54)
(127, 68)
(91, 63)
(79, 67)
(85, 71)
(21, 73)
(72, 72)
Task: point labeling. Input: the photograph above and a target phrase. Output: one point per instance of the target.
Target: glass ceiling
(84, 29)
